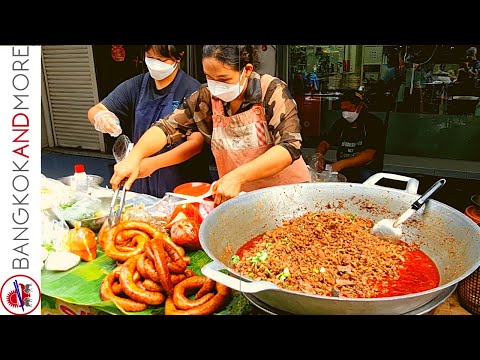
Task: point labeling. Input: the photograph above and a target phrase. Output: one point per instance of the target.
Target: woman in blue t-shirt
(144, 99)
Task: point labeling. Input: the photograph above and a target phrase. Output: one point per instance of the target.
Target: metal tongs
(114, 216)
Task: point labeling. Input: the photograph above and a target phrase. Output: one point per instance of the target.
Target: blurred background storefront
(430, 113)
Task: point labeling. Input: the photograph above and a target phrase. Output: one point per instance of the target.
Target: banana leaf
(81, 286)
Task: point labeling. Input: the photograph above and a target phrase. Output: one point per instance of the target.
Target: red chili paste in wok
(334, 254)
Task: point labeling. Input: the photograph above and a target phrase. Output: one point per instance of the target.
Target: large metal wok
(449, 237)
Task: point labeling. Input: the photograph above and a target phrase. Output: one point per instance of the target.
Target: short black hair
(354, 96)
(235, 56)
(170, 51)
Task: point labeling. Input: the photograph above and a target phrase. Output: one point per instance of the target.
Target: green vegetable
(259, 257)
(49, 247)
(235, 259)
(284, 274)
(67, 205)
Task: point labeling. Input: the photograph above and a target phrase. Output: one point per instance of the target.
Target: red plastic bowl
(192, 188)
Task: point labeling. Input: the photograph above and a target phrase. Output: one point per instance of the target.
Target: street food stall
(292, 249)
(81, 278)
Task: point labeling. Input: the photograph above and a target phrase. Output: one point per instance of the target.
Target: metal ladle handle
(421, 200)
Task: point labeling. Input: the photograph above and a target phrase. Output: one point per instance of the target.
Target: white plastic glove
(107, 122)
(317, 162)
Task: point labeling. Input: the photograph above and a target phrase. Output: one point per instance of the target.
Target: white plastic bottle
(80, 178)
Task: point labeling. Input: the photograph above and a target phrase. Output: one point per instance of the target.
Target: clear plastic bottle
(80, 178)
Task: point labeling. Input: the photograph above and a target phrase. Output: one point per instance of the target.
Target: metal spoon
(390, 228)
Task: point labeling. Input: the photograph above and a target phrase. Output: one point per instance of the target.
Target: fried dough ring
(131, 289)
(151, 273)
(141, 266)
(175, 261)
(127, 236)
(169, 240)
(186, 287)
(214, 304)
(152, 285)
(111, 234)
(106, 293)
(206, 288)
(160, 262)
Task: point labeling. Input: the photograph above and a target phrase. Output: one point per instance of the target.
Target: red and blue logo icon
(20, 295)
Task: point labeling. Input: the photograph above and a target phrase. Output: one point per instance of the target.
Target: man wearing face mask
(250, 121)
(144, 99)
(359, 138)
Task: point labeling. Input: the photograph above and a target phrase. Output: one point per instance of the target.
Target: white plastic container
(80, 178)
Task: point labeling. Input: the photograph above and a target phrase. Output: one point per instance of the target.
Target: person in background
(390, 73)
(469, 71)
(413, 66)
(415, 85)
(249, 120)
(359, 138)
(144, 99)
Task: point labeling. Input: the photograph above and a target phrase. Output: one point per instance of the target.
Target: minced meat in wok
(324, 253)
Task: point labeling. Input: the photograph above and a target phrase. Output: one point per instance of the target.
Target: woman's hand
(337, 166)
(127, 169)
(226, 188)
(107, 122)
(147, 167)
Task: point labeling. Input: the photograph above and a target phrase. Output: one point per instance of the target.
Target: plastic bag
(184, 224)
(82, 241)
(206, 209)
(81, 209)
(329, 176)
(185, 233)
(185, 211)
(138, 213)
(164, 208)
(54, 192)
(317, 161)
(53, 233)
(120, 148)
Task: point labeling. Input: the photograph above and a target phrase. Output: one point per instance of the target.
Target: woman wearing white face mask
(359, 138)
(146, 98)
(250, 121)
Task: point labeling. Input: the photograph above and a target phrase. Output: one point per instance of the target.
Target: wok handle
(212, 271)
(412, 183)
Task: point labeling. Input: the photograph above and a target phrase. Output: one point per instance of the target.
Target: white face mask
(224, 91)
(158, 69)
(350, 116)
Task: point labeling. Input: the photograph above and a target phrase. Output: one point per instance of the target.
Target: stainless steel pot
(449, 237)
